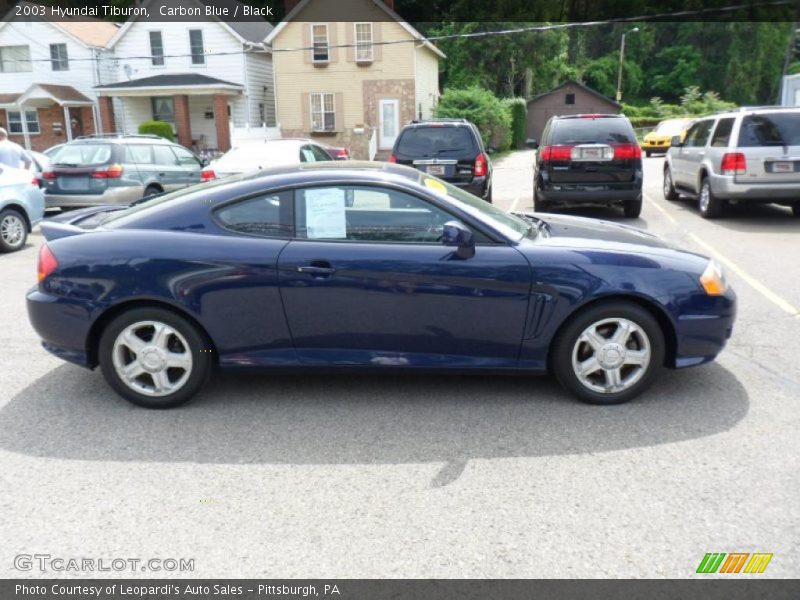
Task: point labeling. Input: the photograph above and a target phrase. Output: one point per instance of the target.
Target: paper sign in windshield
(325, 217)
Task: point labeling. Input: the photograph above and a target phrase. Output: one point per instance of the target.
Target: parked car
(21, 207)
(336, 152)
(264, 154)
(50, 152)
(117, 169)
(750, 155)
(276, 269)
(450, 149)
(660, 138)
(588, 159)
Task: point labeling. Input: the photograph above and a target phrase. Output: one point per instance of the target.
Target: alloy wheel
(705, 197)
(12, 230)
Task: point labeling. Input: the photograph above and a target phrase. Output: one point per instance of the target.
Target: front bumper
(655, 146)
(726, 187)
(702, 332)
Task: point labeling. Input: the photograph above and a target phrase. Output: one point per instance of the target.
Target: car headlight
(713, 280)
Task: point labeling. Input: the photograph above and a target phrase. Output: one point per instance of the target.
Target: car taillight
(733, 163)
(551, 153)
(110, 172)
(481, 166)
(627, 151)
(392, 158)
(343, 154)
(49, 175)
(207, 175)
(35, 181)
(47, 262)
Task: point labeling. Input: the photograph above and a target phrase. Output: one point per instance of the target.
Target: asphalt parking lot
(426, 476)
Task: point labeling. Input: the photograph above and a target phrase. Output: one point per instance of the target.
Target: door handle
(317, 271)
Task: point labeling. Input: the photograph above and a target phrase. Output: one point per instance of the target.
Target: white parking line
(513, 206)
(728, 263)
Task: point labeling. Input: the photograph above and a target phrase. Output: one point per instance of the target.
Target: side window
(319, 154)
(367, 214)
(139, 154)
(185, 158)
(307, 155)
(268, 215)
(722, 134)
(698, 135)
(162, 155)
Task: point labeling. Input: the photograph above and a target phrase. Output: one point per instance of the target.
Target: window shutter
(333, 40)
(377, 38)
(307, 54)
(305, 105)
(350, 39)
(338, 100)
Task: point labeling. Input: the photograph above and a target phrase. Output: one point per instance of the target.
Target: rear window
(591, 131)
(79, 155)
(446, 142)
(770, 129)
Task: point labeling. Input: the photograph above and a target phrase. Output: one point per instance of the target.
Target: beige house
(355, 83)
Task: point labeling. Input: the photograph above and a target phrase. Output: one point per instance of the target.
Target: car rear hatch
(768, 149)
(592, 151)
(81, 168)
(444, 150)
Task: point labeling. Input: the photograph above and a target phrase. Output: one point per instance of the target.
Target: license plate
(73, 183)
(783, 166)
(436, 169)
(591, 153)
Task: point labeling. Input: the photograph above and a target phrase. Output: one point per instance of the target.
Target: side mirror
(531, 143)
(490, 150)
(676, 141)
(457, 234)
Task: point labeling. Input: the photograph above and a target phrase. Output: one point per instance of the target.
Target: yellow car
(659, 140)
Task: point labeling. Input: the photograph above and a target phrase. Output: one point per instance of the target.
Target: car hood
(580, 228)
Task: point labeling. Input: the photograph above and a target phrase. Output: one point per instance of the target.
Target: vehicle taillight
(110, 172)
(207, 175)
(49, 175)
(392, 158)
(47, 262)
(35, 181)
(733, 163)
(551, 153)
(343, 154)
(627, 151)
(481, 166)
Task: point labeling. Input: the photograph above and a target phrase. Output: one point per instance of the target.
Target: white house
(48, 71)
(202, 76)
(790, 90)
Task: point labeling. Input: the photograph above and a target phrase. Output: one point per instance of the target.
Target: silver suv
(747, 155)
(117, 169)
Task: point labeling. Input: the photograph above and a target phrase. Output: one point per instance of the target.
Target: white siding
(427, 82)
(261, 88)
(38, 36)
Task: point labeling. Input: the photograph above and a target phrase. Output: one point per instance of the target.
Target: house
(48, 70)
(204, 76)
(569, 98)
(353, 83)
(790, 90)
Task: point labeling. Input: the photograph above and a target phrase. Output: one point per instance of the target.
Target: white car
(255, 155)
(21, 207)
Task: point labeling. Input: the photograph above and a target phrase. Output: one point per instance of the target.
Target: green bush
(518, 109)
(481, 107)
(159, 128)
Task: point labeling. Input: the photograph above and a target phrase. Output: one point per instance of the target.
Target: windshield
(80, 155)
(439, 140)
(671, 127)
(508, 224)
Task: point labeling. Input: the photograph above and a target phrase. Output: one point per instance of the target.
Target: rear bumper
(62, 324)
(476, 187)
(114, 195)
(590, 194)
(725, 186)
(702, 333)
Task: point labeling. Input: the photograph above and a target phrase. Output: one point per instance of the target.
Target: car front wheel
(154, 358)
(13, 230)
(609, 353)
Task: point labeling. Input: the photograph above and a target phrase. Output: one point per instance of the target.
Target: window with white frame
(31, 120)
(364, 52)
(59, 59)
(156, 49)
(323, 112)
(319, 41)
(196, 44)
(15, 59)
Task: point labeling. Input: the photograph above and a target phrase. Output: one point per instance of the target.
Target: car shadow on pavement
(750, 218)
(70, 413)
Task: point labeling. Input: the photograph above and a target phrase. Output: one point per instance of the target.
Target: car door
(166, 168)
(189, 166)
(366, 281)
(693, 152)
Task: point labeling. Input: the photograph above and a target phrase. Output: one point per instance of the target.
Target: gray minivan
(117, 169)
(746, 155)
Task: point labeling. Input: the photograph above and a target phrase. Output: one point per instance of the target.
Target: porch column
(222, 122)
(182, 120)
(67, 123)
(107, 121)
(25, 134)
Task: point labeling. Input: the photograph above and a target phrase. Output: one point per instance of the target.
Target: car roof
(753, 110)
(114, 138)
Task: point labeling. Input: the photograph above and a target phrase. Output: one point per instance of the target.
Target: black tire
(488, 196)
(633, 208)
(151, 190)
(567, 339)
(648, 153)
(201, 352)
(713, 207)
(539, 205)
(13, 230)
(669, 186)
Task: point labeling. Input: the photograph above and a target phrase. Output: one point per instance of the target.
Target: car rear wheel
(539, 205)
(709, 205)
(13, 230)
(488, 196)
(633, 208)
(669, 188)
(154, 358)
(151, 190)
(609, 353)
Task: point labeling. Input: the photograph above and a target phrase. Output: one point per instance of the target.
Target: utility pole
(621, 61)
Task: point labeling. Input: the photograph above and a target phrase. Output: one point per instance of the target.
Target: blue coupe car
(367, 266)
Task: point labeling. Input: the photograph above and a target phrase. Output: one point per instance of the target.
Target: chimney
(288, 5)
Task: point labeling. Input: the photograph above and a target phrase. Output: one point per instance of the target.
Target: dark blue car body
(384, 305)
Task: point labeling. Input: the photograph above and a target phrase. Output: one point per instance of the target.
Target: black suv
(450, 149)
(588, 160)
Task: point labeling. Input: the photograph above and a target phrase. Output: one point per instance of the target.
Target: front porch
(200, 109)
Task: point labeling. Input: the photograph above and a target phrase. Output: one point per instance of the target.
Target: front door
(389, 122)
(367, 282)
